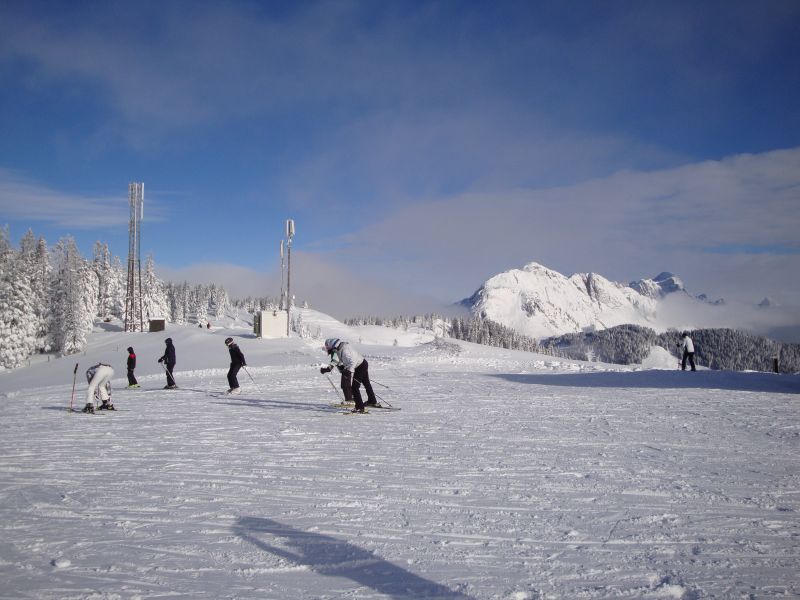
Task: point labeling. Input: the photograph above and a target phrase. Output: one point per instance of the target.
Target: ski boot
(106, 405)
(134, 385)
(359, 411)
(233, 391)
(89, 408)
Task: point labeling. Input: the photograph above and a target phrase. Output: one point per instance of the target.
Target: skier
(169, 362)
(237, 362)
(99, 378)
(355, 372)
(132, 383)
(688, 351)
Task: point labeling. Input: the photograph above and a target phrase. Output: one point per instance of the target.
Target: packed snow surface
(505, 475)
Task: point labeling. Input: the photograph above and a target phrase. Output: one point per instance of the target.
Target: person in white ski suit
(355, 372)
(688, 351)
(99, 378)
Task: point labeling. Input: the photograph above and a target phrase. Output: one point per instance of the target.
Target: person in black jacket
(132, 383)
(237, 362)
(169, 362)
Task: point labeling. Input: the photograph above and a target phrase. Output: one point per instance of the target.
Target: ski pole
(170, 376)
(74, 378)
(373, 391)
(258, 387)
(379, 383)
(337, 390)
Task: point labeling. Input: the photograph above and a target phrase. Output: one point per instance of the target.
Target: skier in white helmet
(355, 372)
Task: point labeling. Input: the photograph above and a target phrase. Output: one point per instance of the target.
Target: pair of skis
(344, 404)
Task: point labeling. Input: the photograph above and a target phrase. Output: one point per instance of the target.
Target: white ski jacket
(346, 356)
(687, 345)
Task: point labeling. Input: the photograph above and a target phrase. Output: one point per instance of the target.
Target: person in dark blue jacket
(169, 363)
(237, 362)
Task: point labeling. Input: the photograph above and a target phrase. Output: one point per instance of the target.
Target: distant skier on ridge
(688, 351)
(355, 372)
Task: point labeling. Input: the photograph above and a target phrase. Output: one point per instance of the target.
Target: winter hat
(331, 343)
(168, 340)
(228, 341)
(130, 349)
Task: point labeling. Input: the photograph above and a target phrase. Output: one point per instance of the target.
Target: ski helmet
(130, 349)
(168, 340)
(228, 341)
(331, 343)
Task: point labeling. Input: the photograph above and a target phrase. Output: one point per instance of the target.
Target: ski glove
(161, 359)
(324, 370)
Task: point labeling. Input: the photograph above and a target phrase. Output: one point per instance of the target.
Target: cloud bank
(625, 226)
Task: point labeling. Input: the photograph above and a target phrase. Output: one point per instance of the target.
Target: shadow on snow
(717, 380)
(332, 557)
(270, 404)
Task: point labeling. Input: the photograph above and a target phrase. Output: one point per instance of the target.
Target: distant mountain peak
(659, 286)
(541, 302)
(767, 302)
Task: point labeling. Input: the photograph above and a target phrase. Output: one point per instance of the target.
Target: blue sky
(420, 147)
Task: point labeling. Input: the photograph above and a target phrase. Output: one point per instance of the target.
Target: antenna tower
(289, 236)
(134, 319)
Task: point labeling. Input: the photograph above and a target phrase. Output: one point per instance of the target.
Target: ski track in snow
(486, 485)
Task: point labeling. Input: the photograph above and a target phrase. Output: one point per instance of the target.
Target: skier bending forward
(354, 369)
(99, 378)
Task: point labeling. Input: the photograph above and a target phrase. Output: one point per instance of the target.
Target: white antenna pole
(283, 298)
(289, 236)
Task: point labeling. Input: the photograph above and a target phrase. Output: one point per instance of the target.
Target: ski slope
(505, 475)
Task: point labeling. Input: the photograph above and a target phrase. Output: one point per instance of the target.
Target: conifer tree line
(50, 298)
(722, 349)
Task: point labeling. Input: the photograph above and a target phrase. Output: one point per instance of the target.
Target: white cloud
(625, 226)
(329, 287)
(30, 201)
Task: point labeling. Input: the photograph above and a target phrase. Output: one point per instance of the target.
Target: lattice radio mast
(133, 291)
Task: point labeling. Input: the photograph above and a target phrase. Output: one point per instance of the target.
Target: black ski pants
(352, 391)
(690, 356)
(361, 377)
(170, 378)
(233, 381)
(131, 378)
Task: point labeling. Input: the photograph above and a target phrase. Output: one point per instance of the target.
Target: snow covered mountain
(540, 302)
(658, 287)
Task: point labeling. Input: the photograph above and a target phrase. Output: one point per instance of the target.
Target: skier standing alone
(169, 362)
(99, 378)
(688, 351)
(354, 369)
(132, 383)
(237, 362)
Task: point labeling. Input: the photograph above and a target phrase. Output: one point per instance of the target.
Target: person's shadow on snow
(337, 558)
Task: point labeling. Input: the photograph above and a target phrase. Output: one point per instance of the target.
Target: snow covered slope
(505, 475)
(540, 302)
